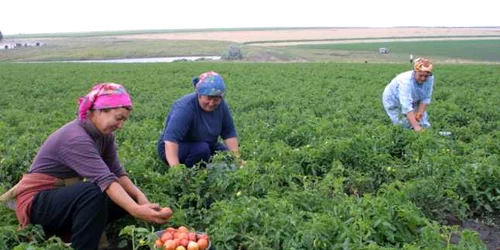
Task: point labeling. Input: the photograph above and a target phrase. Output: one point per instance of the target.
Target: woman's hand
(148, 212)
(418, 129)
(240, 162)
(237, 159)
(411, 116)
(151, 213)
(418, 116)
(172, 153)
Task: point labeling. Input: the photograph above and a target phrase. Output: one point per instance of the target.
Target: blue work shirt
(404, 91)
(187, 122)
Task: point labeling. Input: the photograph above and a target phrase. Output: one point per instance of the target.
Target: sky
(54, 16)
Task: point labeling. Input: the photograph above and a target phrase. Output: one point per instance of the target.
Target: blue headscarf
(210, 84)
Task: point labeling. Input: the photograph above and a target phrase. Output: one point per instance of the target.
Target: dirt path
(373, 41)
(490, 235)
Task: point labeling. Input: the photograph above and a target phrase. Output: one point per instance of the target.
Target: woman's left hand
(240, 162)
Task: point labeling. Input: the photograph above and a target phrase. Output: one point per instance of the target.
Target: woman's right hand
(171, 153)
(151, 213)
(418, 116)
(418, 129)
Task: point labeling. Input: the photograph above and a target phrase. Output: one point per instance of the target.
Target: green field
(326, 169)
(480, 50)
(95, 48)
(139, 32)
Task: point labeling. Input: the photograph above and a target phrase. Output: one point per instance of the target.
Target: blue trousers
(393, 109)
(191, 153)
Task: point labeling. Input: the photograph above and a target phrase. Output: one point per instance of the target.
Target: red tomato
(203, 236)
(184, 242)
(169, 245)
(182, 236)
(166, 236)
(158, 243)
(167, 211)
(182, 229)
(191, 236)
(177, 242)
(202, 244)
(193, 246)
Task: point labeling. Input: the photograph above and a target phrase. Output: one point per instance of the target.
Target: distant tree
(1, 36)
(234, 53)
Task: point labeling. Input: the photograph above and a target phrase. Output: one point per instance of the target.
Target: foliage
(325, 170)
(234, 53)
(139, 236)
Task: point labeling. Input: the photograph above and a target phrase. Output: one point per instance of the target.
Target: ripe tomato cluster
(182, 239)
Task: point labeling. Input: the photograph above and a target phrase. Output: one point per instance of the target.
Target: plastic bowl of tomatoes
(181, 238)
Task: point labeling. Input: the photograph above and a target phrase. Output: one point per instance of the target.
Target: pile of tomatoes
(181, 239)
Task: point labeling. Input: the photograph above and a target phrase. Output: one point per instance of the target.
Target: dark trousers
(191, 153)
(81, 210)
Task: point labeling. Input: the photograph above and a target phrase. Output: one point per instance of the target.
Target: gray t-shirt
(78, 149)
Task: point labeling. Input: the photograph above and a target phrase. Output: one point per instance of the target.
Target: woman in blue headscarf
(195, 122)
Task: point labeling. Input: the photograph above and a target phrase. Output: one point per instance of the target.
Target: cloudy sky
(35, 16)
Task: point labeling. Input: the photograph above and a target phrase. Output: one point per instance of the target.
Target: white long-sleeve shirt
(404, 91)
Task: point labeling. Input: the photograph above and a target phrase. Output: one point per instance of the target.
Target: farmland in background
(326, 169)
(480, 50)
(267, 44)
(94, 48)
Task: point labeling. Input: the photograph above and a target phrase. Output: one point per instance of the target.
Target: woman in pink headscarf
(76, 183)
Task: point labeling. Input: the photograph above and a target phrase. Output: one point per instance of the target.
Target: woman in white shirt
(407, 96)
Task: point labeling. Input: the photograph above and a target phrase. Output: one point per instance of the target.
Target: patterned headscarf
(103, 96)
(210, 84)
(422, 64)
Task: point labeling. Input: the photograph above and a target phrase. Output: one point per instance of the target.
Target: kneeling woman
(407, 96)
(84, 149)
(195, 123)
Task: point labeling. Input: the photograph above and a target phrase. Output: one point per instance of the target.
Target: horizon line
(183, 30)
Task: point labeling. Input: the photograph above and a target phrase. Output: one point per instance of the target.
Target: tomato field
(326, 169)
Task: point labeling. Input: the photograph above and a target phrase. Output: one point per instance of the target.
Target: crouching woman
(76, 183)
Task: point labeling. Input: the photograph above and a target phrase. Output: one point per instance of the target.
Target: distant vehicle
(383, 50)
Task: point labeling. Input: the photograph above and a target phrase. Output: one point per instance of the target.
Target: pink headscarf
(103, 96)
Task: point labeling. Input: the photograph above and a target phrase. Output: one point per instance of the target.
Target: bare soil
(489, 234)
(318, 34)
(374, 41)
